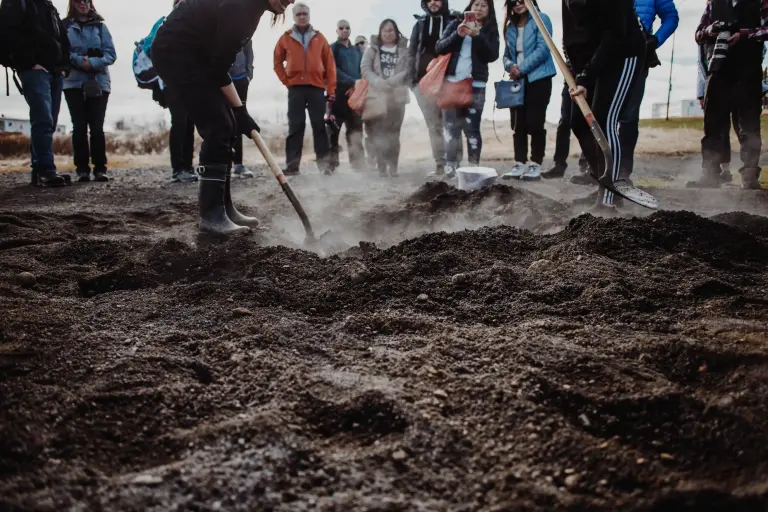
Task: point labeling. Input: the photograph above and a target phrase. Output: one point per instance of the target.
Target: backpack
(6, 59)
(143, 69)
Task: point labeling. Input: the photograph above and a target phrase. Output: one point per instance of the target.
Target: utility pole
(671, 64)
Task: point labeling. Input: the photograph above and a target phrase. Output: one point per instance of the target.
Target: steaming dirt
(579, 364)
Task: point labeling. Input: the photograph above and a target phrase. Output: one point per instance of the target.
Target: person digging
(192, 53)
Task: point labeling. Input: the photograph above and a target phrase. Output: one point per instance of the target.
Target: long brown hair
(93, 13)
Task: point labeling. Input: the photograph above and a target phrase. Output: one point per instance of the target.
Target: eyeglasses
(359, 44)
(301, 14)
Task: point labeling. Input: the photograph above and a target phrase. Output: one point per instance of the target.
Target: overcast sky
(130, 20)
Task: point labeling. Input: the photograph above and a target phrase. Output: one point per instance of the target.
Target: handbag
(375, 105)
(455, 95)
(356, 100)
(431, 84)
(510, 93)
(92, 88)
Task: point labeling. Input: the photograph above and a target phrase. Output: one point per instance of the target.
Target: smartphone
(470, 18)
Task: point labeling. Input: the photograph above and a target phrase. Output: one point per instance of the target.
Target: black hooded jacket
(32, 33)
(200, 39)
(426, 32)
(598, 34)
(485, 48)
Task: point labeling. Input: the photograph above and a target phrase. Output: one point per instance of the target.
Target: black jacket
(425, 35)
(34, 35)
(485, 49)
(201, 38)
(600, 34)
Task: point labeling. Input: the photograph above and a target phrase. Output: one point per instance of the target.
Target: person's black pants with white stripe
(607, 96)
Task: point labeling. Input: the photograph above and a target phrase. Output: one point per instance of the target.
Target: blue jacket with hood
(538, 63)
(648, 10)
(82, 37)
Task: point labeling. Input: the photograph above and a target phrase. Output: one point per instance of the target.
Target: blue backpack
(143, 69)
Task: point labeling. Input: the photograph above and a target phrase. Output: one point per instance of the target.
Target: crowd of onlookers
(610, 47)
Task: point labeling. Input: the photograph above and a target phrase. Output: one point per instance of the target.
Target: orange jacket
(314, 66)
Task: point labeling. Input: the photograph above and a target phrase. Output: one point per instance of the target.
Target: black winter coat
(199, 40)
(34, 35)
(485, 49)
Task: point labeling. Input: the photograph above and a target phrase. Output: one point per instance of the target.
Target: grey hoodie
(243, 66)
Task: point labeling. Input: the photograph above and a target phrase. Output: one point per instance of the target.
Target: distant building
(23, 126)
(685, 108)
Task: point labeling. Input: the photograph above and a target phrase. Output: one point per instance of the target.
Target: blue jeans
(629, 121)
(465, 120)
(42, 90)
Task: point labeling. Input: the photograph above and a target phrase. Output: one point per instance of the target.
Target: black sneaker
(100, 176)
(291, 172)
(52, 180)
(583, 179)
(185, 176)
(558, 171)
(706, 181)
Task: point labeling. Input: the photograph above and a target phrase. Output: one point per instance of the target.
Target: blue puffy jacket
(90, 35)
(648, 10)
(537, 63)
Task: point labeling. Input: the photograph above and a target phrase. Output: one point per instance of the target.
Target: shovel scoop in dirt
(311, 239)
(623, 188)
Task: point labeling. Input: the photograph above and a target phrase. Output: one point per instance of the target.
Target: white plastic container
(475, 178)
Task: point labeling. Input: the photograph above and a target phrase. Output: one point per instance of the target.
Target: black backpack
(6, 59)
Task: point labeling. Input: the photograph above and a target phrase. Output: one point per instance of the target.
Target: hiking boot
(184, 176)
(726, 177)
(750, 178)
(558, 171)
(213, 214)
(52, 180)
(242, 171)
(533, 173)
(706, 181)
(100, 176)
(33, 178)
(450, 171)
(517, 172)
(234, 215)
(393, 172)
(291, 171)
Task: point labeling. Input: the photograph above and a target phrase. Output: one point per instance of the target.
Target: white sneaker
(450, 172)
(242, 171)
(533, 172)
(517, 172)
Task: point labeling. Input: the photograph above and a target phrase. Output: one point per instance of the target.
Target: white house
(23, 126)
(685, 108)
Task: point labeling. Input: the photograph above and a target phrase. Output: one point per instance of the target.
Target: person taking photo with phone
(473, 43)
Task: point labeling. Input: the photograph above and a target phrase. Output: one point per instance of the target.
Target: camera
(95, 53)
(720, 53)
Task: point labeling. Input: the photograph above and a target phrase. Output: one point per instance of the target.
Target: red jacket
(305, 63)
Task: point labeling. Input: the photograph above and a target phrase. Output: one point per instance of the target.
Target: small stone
(569, 471)
(26, 279)
(666, 456)
(459, 279)
(241, 441)
(359, 276)
(585, 420)
(603, 482)
(640, 461)
(239, 312)
(147, 480)
(399, 455)
(423, 297)
(533, 436)
(603, 445)
(703, 368)
(541, 266)
(439, 393)
(571, 481)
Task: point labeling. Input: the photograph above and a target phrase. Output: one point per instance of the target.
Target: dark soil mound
(617, 364)
(754, 224)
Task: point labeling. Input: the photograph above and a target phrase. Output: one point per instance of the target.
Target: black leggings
(607, 95)
(88, 115)
(212, 115)
(528, 120)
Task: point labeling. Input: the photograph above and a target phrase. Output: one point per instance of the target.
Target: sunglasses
(344, 28)
(85, 2)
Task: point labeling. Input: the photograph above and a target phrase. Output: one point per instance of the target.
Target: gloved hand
(245, 123)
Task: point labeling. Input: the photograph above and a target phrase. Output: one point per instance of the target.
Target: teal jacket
(538, 63)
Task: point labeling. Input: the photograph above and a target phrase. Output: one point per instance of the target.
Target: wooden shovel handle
(269, 157)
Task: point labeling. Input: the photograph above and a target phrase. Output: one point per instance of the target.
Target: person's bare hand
(701, 102)
(734, 39)
(514, 71)
(86, 65)
(580, 90)
(38, 67)
(464, 30)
